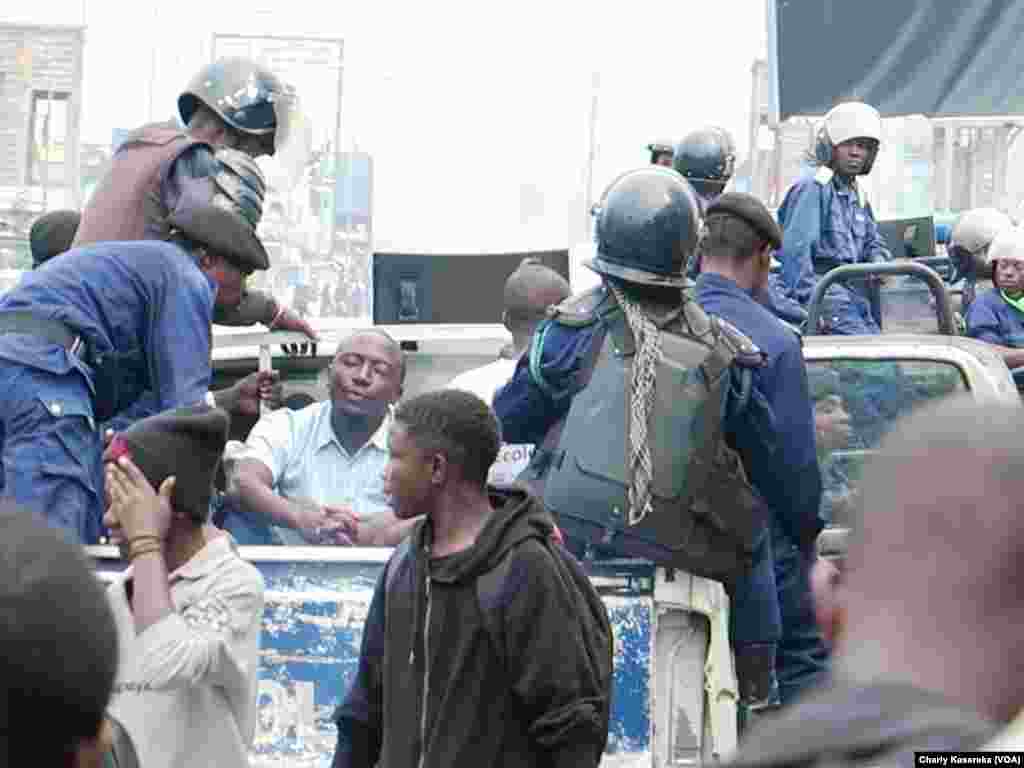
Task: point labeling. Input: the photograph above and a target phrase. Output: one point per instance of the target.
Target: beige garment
(186, 687)
(1010, 739)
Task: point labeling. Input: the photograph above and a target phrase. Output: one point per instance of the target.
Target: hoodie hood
(517, 516)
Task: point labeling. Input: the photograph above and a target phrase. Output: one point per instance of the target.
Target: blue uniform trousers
(802, 657)
(50, 449)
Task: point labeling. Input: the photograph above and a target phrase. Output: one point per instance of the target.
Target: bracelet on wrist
(277, 317)
(135, 552)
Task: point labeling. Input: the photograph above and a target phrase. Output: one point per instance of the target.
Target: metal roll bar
(943, 305)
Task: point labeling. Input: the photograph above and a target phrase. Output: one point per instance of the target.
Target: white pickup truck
(675, 691)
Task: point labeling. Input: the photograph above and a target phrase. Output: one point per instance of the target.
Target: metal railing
(943, 304)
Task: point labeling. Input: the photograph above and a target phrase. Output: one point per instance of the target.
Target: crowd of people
(676, 390)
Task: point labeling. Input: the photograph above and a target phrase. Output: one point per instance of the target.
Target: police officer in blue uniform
(970, 238)
(639, 255)
(777, 438)
(707, 158)
(661, 153)
(231, 103)
(85, 334)
(997, 316)
(827, 221)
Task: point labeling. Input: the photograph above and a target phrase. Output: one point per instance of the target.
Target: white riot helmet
(972, 236)
(849, 120)
(1007, 245)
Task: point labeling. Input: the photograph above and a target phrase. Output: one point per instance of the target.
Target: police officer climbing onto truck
(635, 363)
(234, 103)
(86, 334)
(827, 221)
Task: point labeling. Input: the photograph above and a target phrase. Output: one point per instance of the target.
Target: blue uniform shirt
(525, 411)
(145, 301)
(824, 222)
(775, 436)
(990, 318)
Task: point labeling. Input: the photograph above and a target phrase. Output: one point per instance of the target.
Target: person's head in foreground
(59, 649)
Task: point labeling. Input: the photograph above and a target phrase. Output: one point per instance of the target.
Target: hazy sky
(476, 113)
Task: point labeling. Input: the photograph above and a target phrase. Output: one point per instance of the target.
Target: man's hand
(342, 528)
(824, 586)
(138, 508)
(287, 319)
(256, 388)
(290, 320)
(319, 524)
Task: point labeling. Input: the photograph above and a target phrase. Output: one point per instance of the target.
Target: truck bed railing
(943, 303)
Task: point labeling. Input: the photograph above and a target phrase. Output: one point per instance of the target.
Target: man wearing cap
(776, 441)
(827, 221)
(233, 103)
(83, 337)
(997, 316)
(188, 609)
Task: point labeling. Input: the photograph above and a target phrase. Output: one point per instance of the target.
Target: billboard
(299, 210)
(904, 57)
(353, 192)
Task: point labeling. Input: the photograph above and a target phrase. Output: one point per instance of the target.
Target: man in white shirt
(529, 291)
(317, 474)
(188, 610)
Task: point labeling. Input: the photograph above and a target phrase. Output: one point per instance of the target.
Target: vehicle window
(855, 403)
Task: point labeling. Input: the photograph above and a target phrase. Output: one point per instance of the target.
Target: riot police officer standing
(706, 158)
(827, 221)
(647, 229)
(661, 153)
(234, 103)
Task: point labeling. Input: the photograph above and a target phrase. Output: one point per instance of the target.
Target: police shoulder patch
(584, 309)
(745, 351)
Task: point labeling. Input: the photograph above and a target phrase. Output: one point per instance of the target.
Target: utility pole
(595, 87)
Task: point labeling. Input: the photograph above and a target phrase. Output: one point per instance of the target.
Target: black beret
(752, 211)
(185, 442)
(222, 231)
(52, 234)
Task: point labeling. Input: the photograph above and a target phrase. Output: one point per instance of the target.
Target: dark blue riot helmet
(660, 150)
(647, 227)
(706, 158)
(246, 96)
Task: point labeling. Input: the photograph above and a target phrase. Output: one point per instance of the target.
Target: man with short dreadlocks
(623, 389)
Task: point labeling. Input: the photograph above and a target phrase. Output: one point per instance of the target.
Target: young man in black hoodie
(480, 648)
